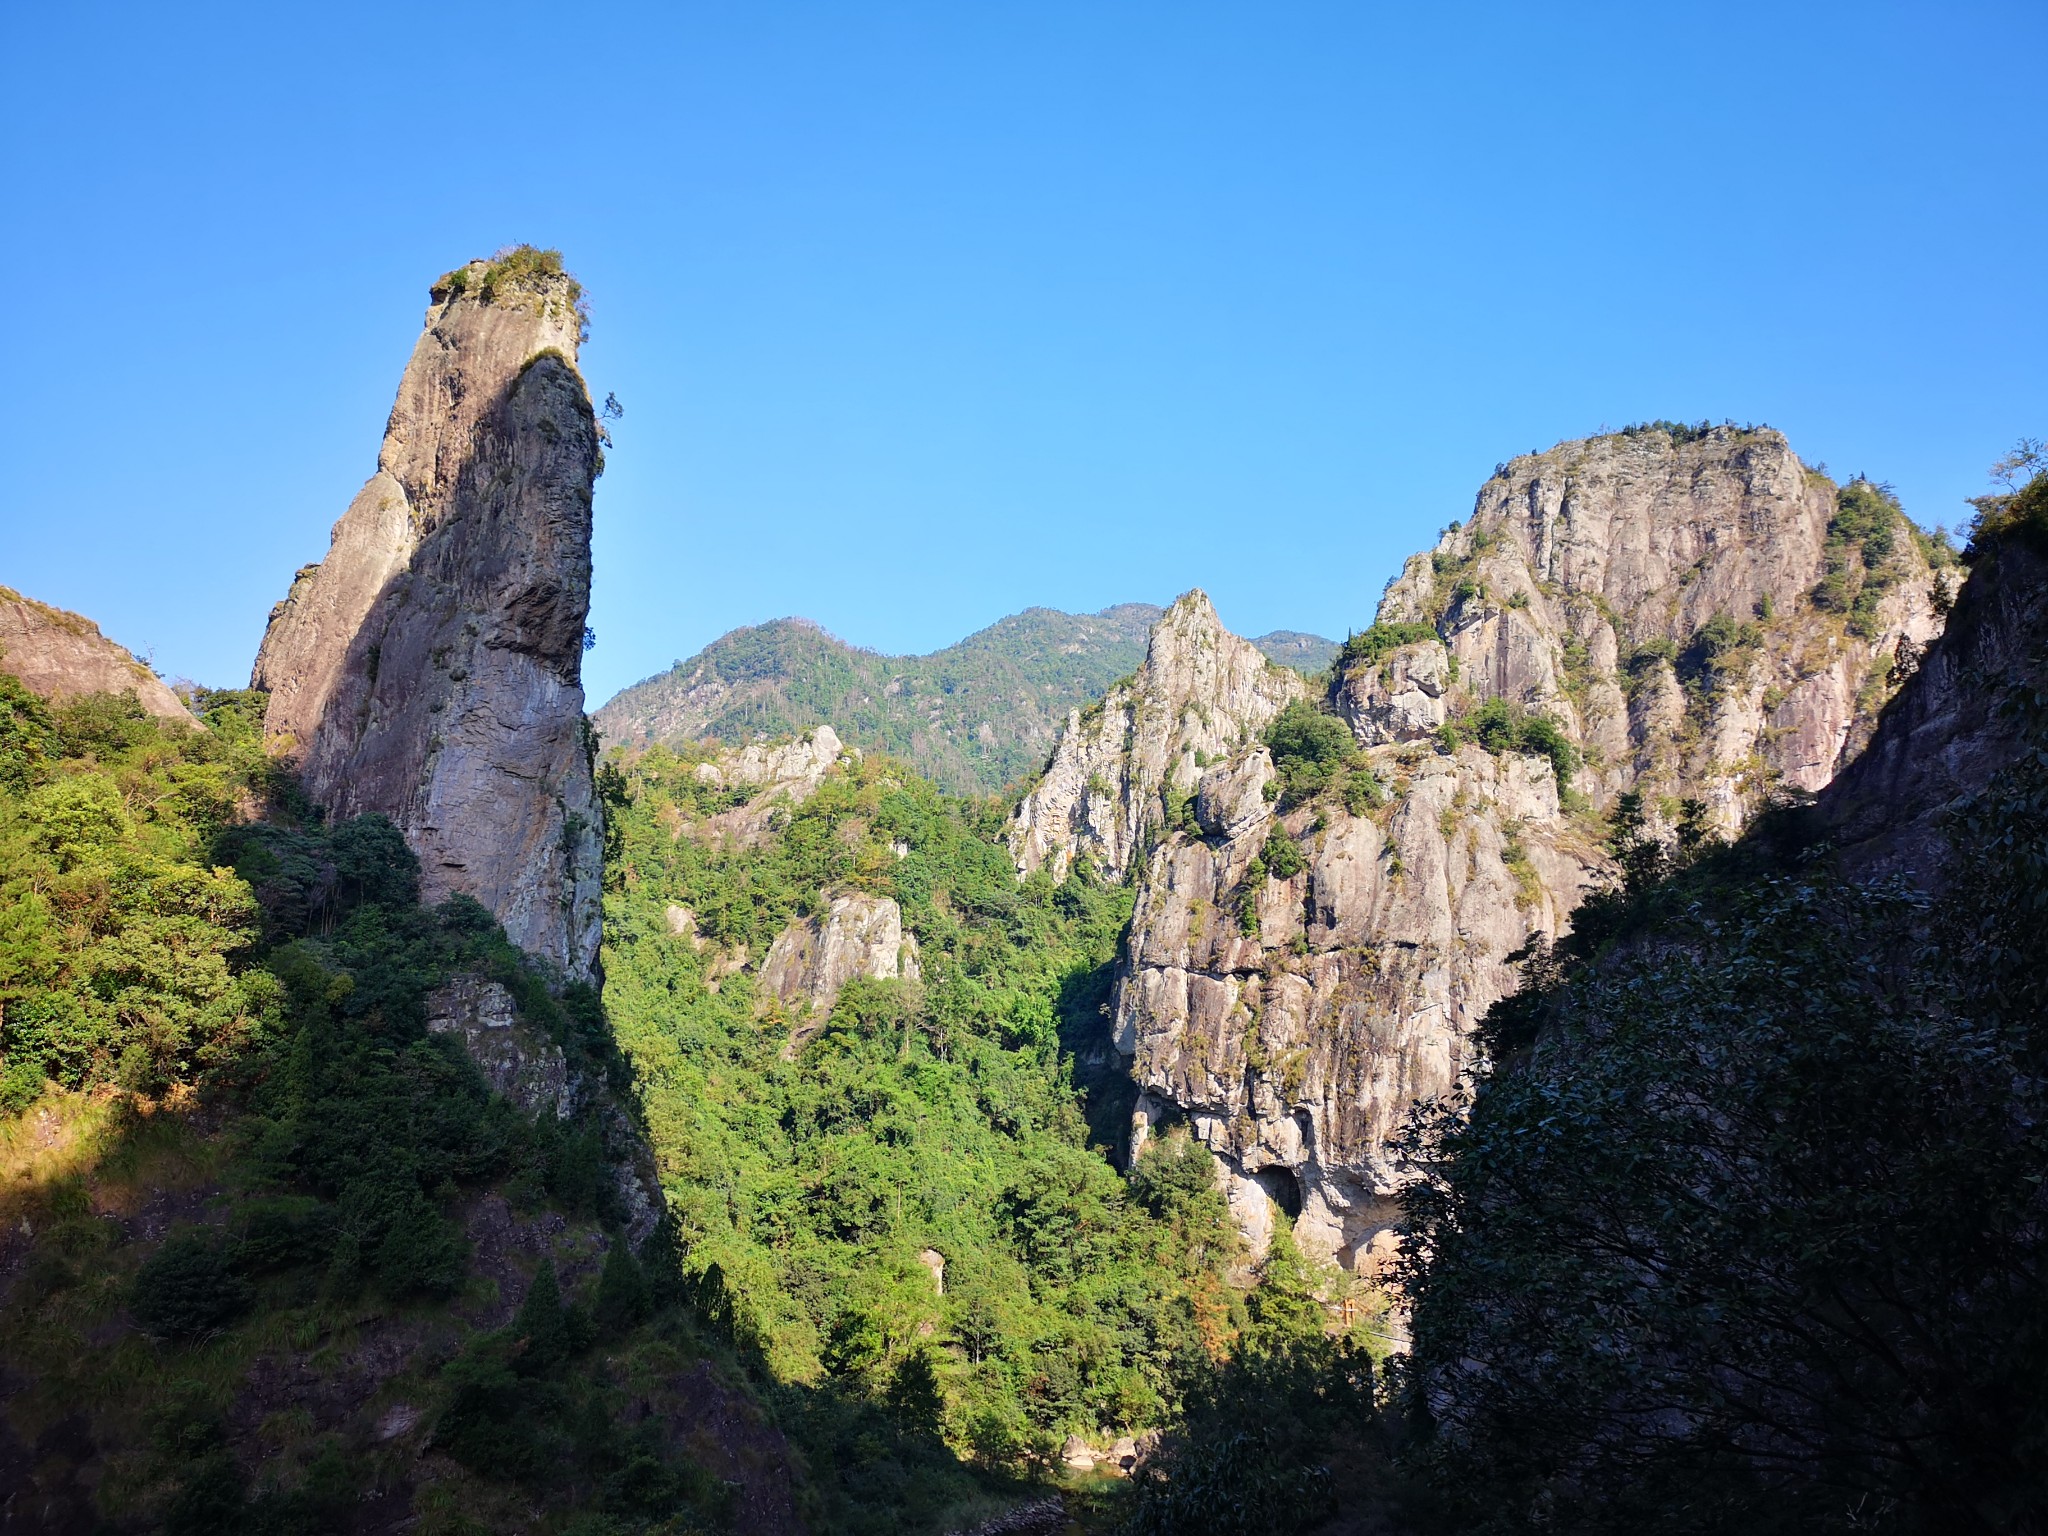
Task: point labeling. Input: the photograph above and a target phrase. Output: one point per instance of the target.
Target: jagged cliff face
(431, 667)
(1656, 598)
(1202, 694)
(62, 655)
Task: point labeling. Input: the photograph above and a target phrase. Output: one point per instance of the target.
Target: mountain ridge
(979, 716)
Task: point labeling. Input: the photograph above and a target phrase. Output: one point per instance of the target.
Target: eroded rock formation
(430, 668)
(61, 655)
(1704, 617)
(855, 935)
(1202, 693)
(515, 1058)
(1701, 616)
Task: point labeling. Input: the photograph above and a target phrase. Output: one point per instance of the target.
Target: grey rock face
(856, 935)
(515, 1060)
(778, 775)
(1293, 1022)
(1202, 693)
(530, 1070)
(1961, 720)
(61, 655)
(430, 668)
(1589, 578)
(1400, 698)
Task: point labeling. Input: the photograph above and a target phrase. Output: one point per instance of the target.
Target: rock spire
(430, 668)
(1202, 693)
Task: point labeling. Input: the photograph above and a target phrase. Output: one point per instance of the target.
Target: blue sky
(923, 313)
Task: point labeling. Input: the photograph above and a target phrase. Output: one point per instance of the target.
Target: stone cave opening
(1284, 1186)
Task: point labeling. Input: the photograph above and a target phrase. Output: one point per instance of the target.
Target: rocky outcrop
(62, 655)
(430, 668)
(797, 766)
(1202, 694)
(855, 935)
(1702, 613)
(1293, 1021)
(1966, 715)
(515, 1059)
(774, 776)
(521, 1063)
(1698, 615)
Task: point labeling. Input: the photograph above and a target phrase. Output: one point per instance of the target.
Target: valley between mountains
(1566, 1057)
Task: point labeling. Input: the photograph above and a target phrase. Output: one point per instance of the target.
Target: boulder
(856, 935)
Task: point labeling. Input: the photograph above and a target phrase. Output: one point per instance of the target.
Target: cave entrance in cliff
(1284, 1188)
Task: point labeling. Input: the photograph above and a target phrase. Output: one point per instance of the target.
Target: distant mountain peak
(978, 716)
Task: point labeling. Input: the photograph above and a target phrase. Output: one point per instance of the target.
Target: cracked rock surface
(430, 668)
(1659, 597)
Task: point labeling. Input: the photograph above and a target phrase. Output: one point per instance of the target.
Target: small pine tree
(623, 1296)
(1284, 1305)
(915, 1397)
(541, 1324)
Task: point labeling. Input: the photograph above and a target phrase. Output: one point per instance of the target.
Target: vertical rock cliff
(1697, 615)
(1701, 612)
(430, 668)
(1201, 694)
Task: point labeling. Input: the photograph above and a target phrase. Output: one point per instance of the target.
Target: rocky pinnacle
(1702, 619)
(430, 668)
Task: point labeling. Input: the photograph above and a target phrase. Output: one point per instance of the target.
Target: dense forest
(243, 1159)
(266, 1207)
(818, 1165)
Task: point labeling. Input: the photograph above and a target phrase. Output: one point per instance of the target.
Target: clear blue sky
(923, 313)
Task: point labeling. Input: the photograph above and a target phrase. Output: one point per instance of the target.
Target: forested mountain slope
(276, 1253)
(975, 717)
(857, 1038)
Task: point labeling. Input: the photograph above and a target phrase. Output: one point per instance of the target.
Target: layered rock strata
(62, 655)
(1689, 612)
(1201, 694)
(430, 668)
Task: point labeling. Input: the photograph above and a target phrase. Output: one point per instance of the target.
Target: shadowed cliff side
(1756, 1157)
(430, 669)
